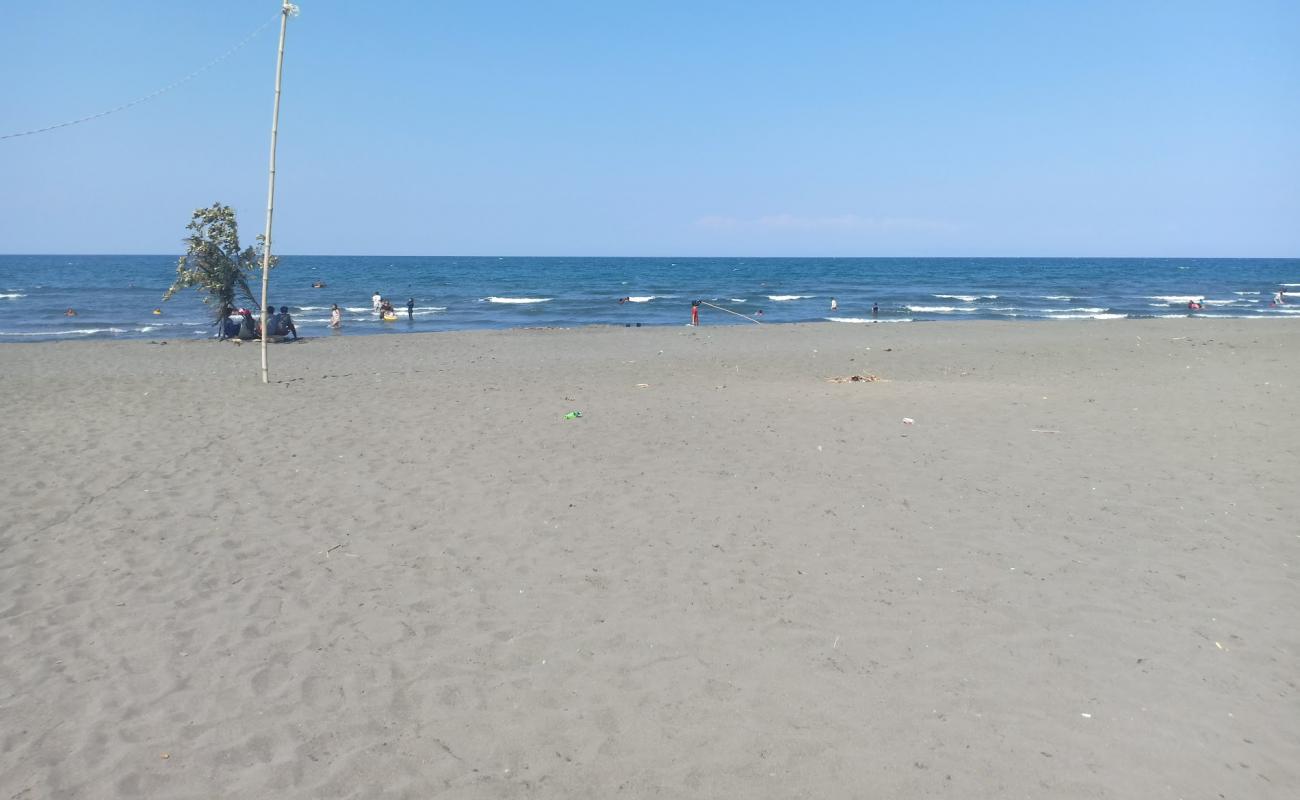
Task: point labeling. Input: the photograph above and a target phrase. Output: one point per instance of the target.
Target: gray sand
(399, 572)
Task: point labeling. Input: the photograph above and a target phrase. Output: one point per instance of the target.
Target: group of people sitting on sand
(240, 324)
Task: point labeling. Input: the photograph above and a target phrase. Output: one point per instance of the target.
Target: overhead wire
(151, 95)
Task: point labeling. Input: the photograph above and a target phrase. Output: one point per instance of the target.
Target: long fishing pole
(729, 311)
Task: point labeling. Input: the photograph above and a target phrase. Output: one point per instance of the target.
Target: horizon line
(695, 257)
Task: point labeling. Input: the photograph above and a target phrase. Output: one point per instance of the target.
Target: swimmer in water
(71, 312)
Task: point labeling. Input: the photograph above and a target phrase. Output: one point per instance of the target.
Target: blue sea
(115, 296)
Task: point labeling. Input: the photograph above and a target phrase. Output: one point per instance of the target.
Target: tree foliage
(214, 263)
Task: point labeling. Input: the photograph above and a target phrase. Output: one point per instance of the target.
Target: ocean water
(115, 296)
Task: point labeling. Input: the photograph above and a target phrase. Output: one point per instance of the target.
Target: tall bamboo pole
(286, 9)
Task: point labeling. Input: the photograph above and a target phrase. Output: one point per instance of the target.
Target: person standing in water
(875, 309)
(695, 312)
(376, 301)
(410, 309)
(336, 317)
(835, 304)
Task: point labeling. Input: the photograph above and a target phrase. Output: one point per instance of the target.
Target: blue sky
(668, 128)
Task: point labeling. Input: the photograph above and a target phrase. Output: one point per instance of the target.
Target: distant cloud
(842, 223)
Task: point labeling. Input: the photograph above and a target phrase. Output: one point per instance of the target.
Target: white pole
(285, 10)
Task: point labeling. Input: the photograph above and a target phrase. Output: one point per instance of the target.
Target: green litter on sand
(573, 415)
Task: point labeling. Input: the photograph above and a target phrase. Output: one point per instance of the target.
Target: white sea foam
(1289, 284)
(1175, 298)
(1055, 297)
(739, 300)
(11, 296)
(74, 332)
(861, 320)
(642, 299)
(1247, 294)
(939, 309)
(966, 298)
(1219, 302)
(781, 298)
(1087, 310)
(518, 300)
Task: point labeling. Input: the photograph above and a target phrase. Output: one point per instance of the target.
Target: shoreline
(344, 334)
(399, 570)
(475, 293)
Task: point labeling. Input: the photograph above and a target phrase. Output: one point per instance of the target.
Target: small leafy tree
(213, 262)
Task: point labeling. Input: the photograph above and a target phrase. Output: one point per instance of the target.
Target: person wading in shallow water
(695, 312)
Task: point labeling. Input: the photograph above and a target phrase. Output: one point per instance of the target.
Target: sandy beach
(399, 572)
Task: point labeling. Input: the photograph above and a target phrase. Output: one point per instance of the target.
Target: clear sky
(667, 128)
